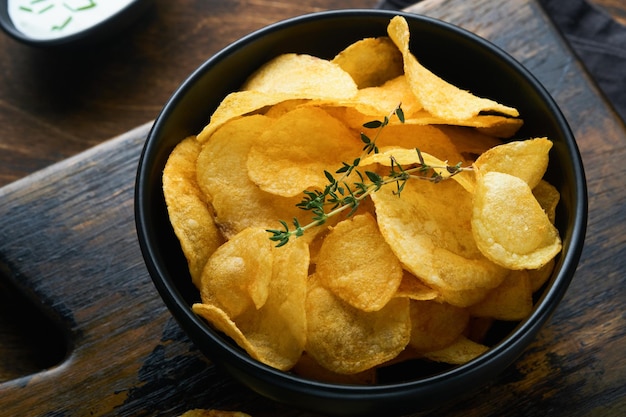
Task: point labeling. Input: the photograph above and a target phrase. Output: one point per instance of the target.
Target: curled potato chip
(436, 325)
(510, 301)
(371, 61)
(238, 274)
(187, 208)
(461, 351)
(366, 285)
(526, 159)
(302, 76)
(428, 228)
(277, 330)
(238, 104)
(490, 124)
(509, 225)
(439, 97)
(347, 340)
(221, 171)
(294, 152)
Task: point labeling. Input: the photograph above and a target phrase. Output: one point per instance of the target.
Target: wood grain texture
(67, 240)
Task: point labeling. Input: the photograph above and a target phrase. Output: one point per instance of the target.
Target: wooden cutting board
(68, 242)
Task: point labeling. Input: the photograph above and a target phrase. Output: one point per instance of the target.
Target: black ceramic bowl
(95, 33)
(464, 59)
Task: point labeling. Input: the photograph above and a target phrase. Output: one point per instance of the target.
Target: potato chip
(510, 301)
(439, 97)
(371, 61)
(526, 159)
(221, 170)
(470, 143)
(277, 330)
(237, 275)
(238, 104)
(458, 353)
(413, 288)
(497, 126)
(548, 198)
(365, 282)
(376, 101)
(428, 228)
(509, 225)
(436, 325)
(187, 208)
(347, 340)
(427, 138)
(294, 152)
(274, 333)
(302, 76)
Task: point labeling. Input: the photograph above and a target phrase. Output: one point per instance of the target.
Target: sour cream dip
(52, 19)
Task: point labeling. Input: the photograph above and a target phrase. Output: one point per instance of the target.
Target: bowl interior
(454, 54)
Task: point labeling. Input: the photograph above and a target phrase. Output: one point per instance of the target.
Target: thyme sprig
(339, 195)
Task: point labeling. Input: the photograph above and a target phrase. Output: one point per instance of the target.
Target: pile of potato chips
(422, 274)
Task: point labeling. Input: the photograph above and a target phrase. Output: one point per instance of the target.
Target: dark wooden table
(83, 331)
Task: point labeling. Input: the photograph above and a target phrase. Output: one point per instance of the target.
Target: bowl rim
(526, 329)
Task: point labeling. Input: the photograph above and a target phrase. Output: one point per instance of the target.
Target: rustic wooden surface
(106, 345)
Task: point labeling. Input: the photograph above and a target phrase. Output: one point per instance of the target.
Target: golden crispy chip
(427, 138)
(213, 413)
(488, 124)
(428, 227)
(509, 225)
(548, 198)
(302, 76)
(470, 143)
(367, 285)
(458, 353)
(413, 288)
(274, 333)
(221, 170)
(347, 340)
(436, 325)
(371, 61)
(377, 101)
(187, 208)
(238, 104)
(277, 331)
(462, 298)
(526, 159)
(293, 153)
(237, 276)
(439, 97)
(510, 301)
